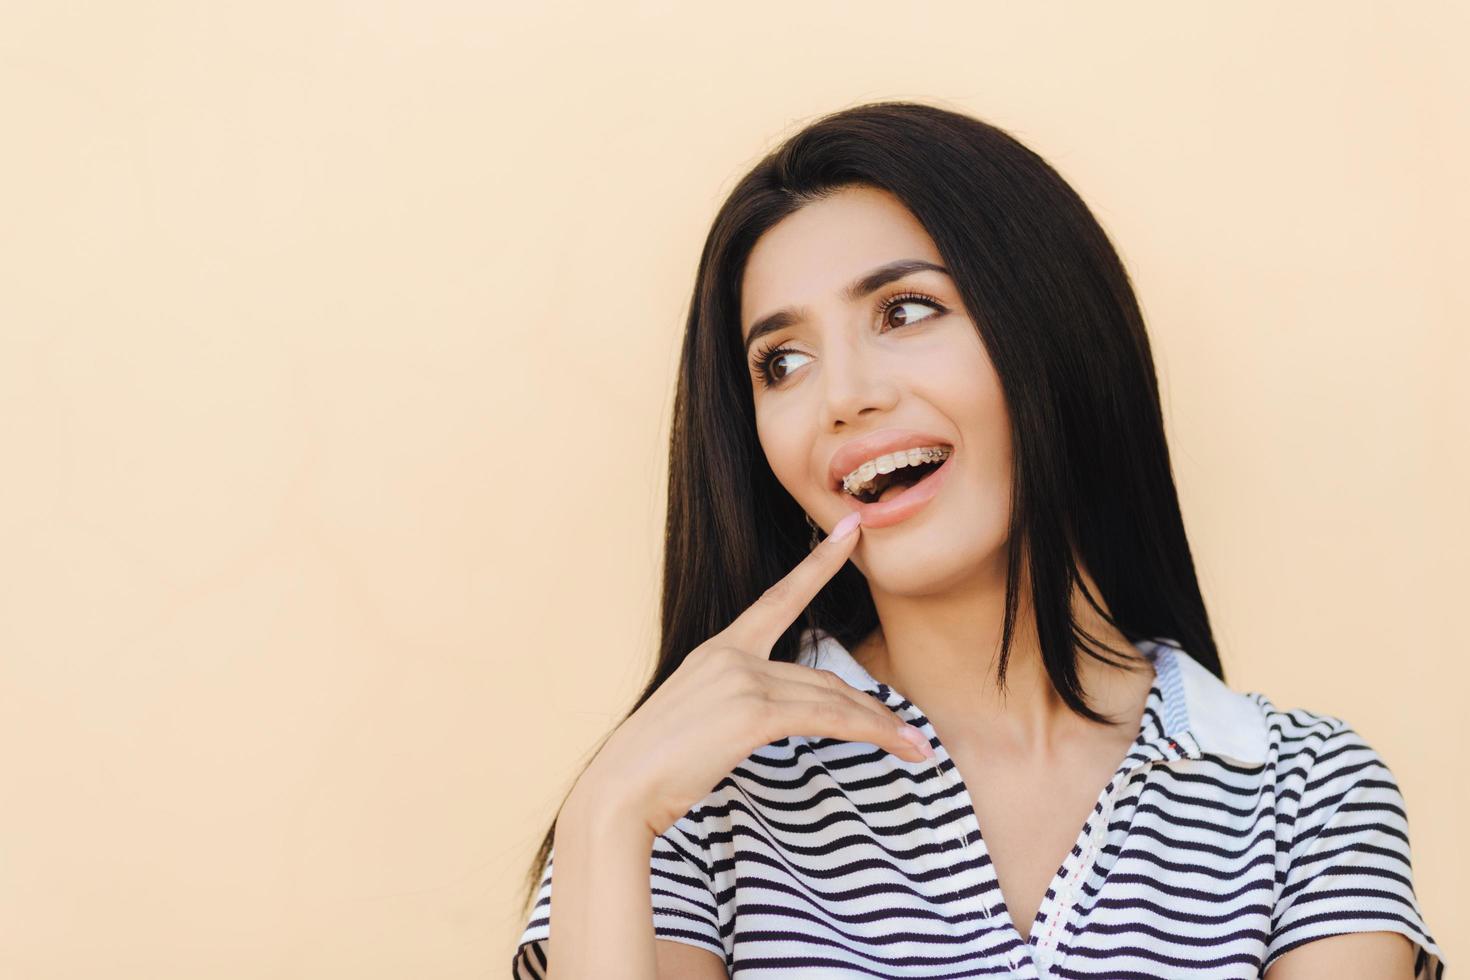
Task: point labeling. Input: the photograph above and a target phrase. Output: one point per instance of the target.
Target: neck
(942, 653)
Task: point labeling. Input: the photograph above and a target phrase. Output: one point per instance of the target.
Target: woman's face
(846, 368)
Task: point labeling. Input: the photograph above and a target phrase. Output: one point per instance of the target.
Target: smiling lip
(859, 451)
(903, 506)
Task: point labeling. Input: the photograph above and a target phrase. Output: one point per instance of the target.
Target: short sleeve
(684, 904)
(1347, 868)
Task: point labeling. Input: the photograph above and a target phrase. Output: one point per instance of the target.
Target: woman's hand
(728, 698)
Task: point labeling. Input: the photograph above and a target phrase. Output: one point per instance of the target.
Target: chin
(928, 559)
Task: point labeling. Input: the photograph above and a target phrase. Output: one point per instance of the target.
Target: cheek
(783, 448)
(988, 420)
(970, 393)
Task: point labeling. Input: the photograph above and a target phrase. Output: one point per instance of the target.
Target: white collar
(1221, 721)
(1197, 705)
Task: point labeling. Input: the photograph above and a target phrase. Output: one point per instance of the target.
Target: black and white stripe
(1231, 833)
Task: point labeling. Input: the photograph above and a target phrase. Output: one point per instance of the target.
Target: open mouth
(904, 470)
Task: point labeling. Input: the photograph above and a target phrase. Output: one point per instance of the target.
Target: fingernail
(846, 526)
(920, 740)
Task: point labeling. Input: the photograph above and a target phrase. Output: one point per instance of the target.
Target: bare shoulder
(678, 961)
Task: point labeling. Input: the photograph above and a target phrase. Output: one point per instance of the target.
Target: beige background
(336, 353)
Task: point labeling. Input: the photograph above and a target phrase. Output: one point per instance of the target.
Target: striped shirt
(1231, 833)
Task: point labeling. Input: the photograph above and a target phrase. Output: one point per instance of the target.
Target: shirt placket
(1161, 749)
(967, 842)
(1061, 907)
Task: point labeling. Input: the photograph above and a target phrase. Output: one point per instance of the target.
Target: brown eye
(905, 300)
(779, 359)
(765, 362)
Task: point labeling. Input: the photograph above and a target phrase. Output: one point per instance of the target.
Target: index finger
(758, 628)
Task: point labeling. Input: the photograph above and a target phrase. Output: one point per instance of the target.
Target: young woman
(981, 729)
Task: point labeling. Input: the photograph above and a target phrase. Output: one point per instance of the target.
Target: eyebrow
(868, 283)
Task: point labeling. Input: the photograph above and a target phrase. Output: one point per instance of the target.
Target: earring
(817, 533)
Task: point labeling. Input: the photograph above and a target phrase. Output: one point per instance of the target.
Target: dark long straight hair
(1055, 309)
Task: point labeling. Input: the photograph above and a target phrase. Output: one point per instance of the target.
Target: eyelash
(765, 355)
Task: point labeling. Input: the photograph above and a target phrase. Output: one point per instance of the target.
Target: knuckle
(741, 681)
(829, 712)
(729, 665)
(830, 680)
(722, 655)
(777, 594)
(760, 712)
(723, 659)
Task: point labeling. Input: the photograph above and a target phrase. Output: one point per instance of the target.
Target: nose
(855, 383)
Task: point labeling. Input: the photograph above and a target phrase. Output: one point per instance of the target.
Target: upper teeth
(861, 479)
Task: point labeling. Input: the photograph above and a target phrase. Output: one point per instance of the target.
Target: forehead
(811, 255)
